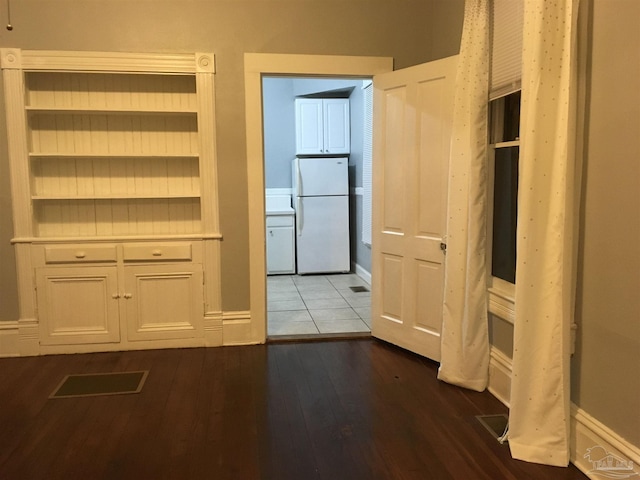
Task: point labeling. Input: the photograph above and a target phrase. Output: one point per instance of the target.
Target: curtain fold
(548, 210)
(464, 341)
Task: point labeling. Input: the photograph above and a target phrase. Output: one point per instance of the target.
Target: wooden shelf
(107, 111)
(119, 155)
(113, 197)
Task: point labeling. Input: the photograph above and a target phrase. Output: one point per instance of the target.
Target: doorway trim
(255, 66)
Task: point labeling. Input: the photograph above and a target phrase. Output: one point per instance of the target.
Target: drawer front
(133, 252)
(280, 221)
(80, 253)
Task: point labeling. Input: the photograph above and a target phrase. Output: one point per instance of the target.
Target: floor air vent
(359, 289)
(495, 424)
(89, 385)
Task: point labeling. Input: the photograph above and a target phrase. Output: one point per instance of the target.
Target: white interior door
(412, 128)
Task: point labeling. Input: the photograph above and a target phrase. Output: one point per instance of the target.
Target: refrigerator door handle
(299, 216)
(299, 186)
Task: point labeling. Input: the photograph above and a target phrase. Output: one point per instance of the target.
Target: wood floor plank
(357, 409)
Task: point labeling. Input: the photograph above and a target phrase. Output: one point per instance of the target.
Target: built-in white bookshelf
(112, 163)
(113, 154)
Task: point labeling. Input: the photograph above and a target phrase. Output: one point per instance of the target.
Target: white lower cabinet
(78, 305)
(280, 244)
(125, 302)
(163, 301)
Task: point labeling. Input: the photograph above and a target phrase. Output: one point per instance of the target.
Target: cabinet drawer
(157, 251)
(80, 253)
(280, 221)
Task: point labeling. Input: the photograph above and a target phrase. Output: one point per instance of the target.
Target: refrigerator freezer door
(322, 226)
(321, 176)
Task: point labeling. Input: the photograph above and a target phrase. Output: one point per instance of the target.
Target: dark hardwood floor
(357, 409)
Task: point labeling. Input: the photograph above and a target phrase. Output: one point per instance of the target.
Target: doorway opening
(333, 303)
(256, 67)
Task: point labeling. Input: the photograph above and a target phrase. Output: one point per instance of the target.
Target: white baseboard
(362, 273)
(586, 431)
(500, 376)
(213, 329)
(591, 438)
(9, 339)
(20, 338)
(237, 328)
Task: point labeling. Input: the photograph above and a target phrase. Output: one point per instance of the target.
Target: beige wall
(412, 32)
(606, 382)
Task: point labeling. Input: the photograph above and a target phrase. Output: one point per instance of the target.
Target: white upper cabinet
(322, 126)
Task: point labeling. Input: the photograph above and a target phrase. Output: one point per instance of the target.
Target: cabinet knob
(157, 253)
(127, 295)
(81, 254)
(115, 296)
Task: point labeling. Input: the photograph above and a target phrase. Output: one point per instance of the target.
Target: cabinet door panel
(280, 250)
(164, 301)
(309, 125)
(337, 131)
(78, 305)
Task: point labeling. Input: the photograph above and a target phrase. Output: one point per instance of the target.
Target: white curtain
(464, 341)
(548, 208)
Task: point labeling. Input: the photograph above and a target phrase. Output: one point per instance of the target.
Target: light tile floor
(317, 304)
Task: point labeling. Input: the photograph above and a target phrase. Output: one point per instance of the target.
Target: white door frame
(255, 66)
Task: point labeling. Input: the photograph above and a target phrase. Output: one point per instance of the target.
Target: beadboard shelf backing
(108, 151)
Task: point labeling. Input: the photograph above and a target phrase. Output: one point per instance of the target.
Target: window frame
(501, 292)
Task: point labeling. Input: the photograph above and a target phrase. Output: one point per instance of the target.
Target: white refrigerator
(321, 202)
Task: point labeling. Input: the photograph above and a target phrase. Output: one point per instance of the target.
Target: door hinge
(443, 247)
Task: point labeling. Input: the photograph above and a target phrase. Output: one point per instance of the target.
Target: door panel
(412, 124)
(309, 136)
(78, 305)
(395, 150)
(164, 301)
(392, 273)
(337, 136)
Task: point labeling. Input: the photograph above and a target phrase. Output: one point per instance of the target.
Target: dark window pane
(511, 117)
(505, 214)
(505, 118)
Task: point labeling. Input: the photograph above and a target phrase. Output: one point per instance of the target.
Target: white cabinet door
(78, 305)
(163, 302)
(323, 126)
(412, 130)
(309, 126)
(336, 127)
(280, 250)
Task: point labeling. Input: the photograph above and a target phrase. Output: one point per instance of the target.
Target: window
(505, 143)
